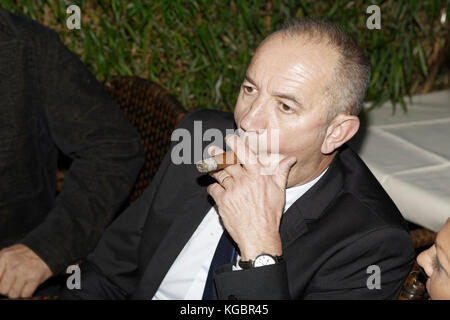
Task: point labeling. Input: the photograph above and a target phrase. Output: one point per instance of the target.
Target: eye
(248, 89)
(285, 108)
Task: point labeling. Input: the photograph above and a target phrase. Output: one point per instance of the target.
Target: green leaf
(423, 64)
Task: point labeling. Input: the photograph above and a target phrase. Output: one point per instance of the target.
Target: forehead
(293, 59)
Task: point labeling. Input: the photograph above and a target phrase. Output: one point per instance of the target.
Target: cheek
(439, 287)
(433, 288)
(300, 138)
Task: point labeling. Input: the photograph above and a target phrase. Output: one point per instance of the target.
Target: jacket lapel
(312, 204)
(173, 241)
(180, 218)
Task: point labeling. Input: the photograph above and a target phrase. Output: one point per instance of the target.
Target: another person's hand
(21, 271)
(250, 201)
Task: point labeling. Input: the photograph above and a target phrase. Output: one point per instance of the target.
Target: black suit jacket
(331, 235)
(49, 101)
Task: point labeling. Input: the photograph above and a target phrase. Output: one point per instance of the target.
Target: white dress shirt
(186, 278)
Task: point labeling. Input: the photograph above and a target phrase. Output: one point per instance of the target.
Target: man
(49, 101)
(319, 227)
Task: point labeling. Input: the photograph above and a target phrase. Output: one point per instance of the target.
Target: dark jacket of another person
(50, 101)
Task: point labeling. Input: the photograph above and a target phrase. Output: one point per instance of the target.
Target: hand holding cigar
(217, 162)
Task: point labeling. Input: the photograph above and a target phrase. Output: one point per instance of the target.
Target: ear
(341, 129)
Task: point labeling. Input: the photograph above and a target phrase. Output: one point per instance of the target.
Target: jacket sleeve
(344, 276)
(262, 283)
(85, 124)
(374, 266)
(111, 271)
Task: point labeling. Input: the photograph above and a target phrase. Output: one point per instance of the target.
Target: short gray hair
(350, 77)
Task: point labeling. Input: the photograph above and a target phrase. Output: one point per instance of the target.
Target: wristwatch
(263, 259)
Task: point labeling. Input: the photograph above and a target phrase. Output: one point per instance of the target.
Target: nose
(425, 264)
(254, 118)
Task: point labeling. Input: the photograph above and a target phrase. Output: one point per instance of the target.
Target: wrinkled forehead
(292, 57)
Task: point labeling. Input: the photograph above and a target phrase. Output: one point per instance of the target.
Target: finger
(226, 182)
(28, 289)
(284, 168)
(2, 265)
(222, 177)
(16, 288)
(216, 191)
(245, 155)
(213, 151)
(7, 282)
(234, 170)
(219, 175)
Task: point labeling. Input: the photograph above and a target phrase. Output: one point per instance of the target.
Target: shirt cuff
(236, 266)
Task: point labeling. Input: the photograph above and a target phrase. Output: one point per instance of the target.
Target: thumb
(283, 170)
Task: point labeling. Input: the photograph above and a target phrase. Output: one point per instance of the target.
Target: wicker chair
(422, 238)
(154, 113)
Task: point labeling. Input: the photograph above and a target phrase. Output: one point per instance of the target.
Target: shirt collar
(294, 193)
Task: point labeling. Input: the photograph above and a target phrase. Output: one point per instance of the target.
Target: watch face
(264, 260)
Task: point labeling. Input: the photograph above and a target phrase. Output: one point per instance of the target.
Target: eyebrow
(277, 94)
(288, 97)
(249, 79)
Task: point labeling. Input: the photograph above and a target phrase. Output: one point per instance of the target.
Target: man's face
(436, 263)
(283, 89)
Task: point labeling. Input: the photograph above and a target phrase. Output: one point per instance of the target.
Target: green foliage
(199, 50)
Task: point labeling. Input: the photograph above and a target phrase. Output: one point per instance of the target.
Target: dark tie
(225, 253)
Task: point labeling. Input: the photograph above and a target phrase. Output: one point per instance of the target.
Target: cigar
(217, 162)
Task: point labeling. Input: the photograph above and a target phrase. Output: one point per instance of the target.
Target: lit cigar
(217, 162)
